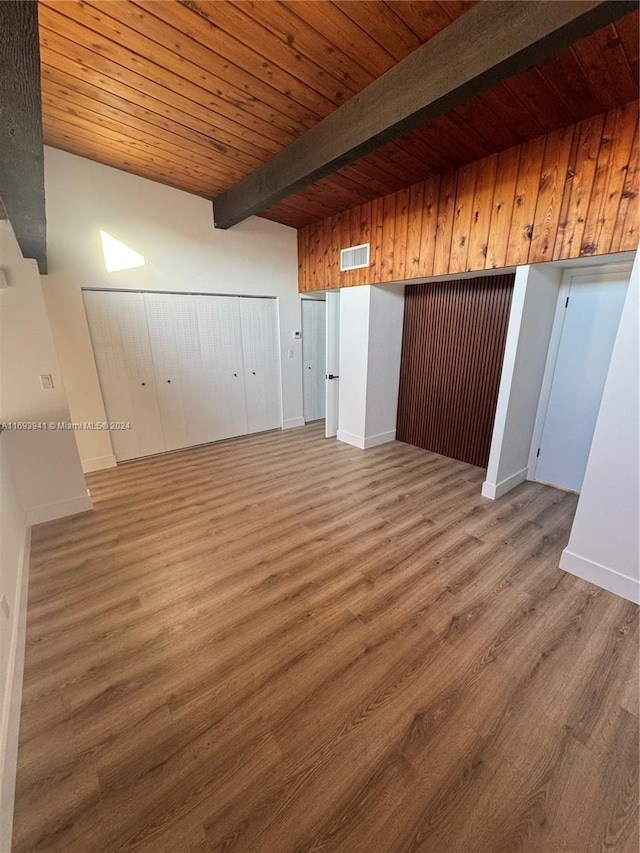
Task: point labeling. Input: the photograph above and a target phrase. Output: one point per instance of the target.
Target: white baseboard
(381, 438)
(364, 443)
(601, 576)
(496, 490)
(348, 438)
(10, 721)
(49, 512)
(292, 423)
(99, 463)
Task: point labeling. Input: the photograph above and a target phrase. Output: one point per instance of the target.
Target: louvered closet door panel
(261, 355)
(221, 349)
(173, 332)
(118, 328)
(199, 398)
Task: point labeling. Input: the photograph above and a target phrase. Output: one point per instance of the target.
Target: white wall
(183, 252)
(14, 571)
(371, 320)
(354, 361)
(50, 480)
(533, 307)
(386, 316)
(604, 547)
(40, 476)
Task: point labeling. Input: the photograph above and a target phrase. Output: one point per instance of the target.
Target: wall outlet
(4, 607)
(46, 381)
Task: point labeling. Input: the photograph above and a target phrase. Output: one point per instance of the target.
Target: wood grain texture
(284, 644)
(565, 89)
(571, 193)
(235, 81)
(492, 42)
(452, 348)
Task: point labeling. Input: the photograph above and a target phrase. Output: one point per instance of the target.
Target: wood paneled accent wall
(452, 349)
(570, 193)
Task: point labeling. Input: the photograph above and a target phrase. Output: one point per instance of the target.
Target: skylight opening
(118, 256)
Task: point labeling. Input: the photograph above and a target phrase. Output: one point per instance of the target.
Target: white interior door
(333, 363)
(313, 358)
(589, 319)
(261, 357)
(118, 327)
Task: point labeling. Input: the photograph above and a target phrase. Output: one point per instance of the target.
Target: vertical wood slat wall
(569, 194)
(452, 350)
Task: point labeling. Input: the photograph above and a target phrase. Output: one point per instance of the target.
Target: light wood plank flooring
(284, 644)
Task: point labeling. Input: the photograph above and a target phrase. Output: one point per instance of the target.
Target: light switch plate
(46, 381)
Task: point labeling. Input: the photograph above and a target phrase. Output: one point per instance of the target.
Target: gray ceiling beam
(21, 151)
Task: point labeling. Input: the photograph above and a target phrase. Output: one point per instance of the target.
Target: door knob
(143, 383)
(169, 381)
(331, 376)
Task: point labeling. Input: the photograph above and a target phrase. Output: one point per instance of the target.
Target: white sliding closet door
(223, 395)
(261, 355)
(185, 369)
(313, 358)
(173, 332)
(118, 327)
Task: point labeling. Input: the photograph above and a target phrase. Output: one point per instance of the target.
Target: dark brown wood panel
(282, 644)
(452, 350)
(571, 193)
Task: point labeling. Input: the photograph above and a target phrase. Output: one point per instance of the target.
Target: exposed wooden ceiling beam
(21, 152)
(493, 41)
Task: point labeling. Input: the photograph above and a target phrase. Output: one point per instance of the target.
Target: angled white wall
(40, 477)
(49, 475)
(604, 546)
(371, 320)
(533, 306)
(174, 232)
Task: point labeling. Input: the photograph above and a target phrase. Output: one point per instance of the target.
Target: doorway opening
(313, 359)
(585, 326)
(321, 360)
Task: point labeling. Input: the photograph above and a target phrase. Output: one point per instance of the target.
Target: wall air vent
(354, 258)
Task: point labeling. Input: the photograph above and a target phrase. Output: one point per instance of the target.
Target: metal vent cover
(354, 258)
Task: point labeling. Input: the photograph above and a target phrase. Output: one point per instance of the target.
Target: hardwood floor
(283, 644)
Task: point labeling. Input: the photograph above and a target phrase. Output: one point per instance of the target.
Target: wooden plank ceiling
(198, 94)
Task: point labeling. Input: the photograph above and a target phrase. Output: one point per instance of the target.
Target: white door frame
(332, 355)
(321, 367)
(601, 273)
